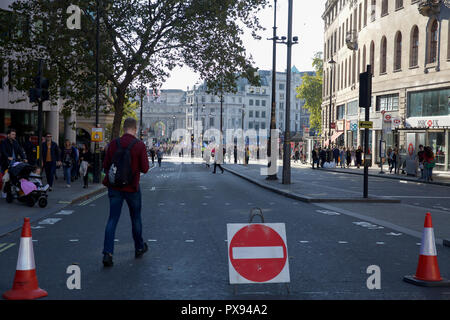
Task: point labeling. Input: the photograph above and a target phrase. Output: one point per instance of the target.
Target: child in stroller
(24, 183)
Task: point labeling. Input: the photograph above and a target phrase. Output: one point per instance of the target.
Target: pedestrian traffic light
(192, 137)
(34, 95)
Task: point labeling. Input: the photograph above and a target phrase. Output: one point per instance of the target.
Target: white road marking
(393, 234)
(182, 204)
(342, 242)
(367, 225)
(227, 204)
(152, 240)
(204, 204)
(380, 242)
(37, 227)
(93, 199)
(50, 221)
(73, 240)
(189, 241)
(65, 212)
(116, 240)
(7, 246)
(328, 212)
(153, 189)
(304, 241)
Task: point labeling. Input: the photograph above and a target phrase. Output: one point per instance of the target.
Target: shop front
(428, 123)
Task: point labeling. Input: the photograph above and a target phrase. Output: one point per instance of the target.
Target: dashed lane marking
(342, 242)
(189, 241)
(50, 221)
(93, 198)
(65, 212)
(394, 234)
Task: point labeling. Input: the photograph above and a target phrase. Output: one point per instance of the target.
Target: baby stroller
(25, 186)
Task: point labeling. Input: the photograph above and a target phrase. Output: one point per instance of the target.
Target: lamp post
(332, 63)
(273, 124)
(96, 178)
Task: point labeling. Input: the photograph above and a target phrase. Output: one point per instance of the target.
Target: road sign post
(365, 101)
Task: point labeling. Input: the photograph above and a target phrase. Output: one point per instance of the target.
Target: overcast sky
(307, 25)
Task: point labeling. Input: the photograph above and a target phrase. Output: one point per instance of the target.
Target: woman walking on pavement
(85, 164)
(342, 156)
(348, 157)
(358, 157)
(68, 158)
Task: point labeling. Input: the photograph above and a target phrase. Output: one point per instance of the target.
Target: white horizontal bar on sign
(258, 253)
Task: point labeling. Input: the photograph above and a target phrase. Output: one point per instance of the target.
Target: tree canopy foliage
(141, 41)
(311, 91)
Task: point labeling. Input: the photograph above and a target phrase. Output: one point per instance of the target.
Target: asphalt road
(185, 214)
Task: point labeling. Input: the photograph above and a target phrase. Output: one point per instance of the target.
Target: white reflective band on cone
(428, 246)
(26, 255)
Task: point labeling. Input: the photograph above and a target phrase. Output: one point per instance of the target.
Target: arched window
(372, 57)
(433, 42)
(345, 78)
(364, 59)
(383, 52)
(414, 54)
(373, 10)
(349, 70)
(384, 7)
(359, 65)
(398, 51)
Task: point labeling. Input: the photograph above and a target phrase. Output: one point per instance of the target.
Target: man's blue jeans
(134, 202)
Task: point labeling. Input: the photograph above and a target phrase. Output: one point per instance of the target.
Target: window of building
(250, 125)
(414, 55)
(352, 108)
(383, 57)
(373, 10)
(372, 56)
(398, 4)
(281, 96)
(256, 114)
(211, 122)
(1, 74)
(257, 103)
(365, 13)
(433, 42)
(263, 114)
(263, 125)
(384, 7)
(340, 112)
(398, 52)
(281, 85)
(250, 114)
(387, 103)
(250, 102)
(428, 103)
(281, 105)
(263, 103)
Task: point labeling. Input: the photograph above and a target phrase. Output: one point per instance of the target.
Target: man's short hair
(129, 123)
(10, 130)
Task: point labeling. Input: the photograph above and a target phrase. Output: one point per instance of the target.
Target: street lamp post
(273, 125)
(332, 63)
(96, 178)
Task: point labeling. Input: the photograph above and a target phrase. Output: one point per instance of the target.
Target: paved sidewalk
(12, 214)
(298, 189)
(439, 177)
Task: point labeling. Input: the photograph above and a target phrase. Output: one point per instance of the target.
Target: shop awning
(335, 136)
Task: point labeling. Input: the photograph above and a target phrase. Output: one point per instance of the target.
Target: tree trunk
(118, 115)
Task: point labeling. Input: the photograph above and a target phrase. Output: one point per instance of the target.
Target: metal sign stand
(252, 215)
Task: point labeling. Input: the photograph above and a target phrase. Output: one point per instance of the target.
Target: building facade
(406, 42)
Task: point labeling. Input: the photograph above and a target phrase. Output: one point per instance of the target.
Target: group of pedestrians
(75, 162)
(156, 152)
(336, 156)
(426, 161)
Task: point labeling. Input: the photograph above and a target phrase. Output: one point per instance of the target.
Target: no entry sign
(257, 253)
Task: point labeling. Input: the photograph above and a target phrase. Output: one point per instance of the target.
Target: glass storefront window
(436, 140)
(387, 102)
(352, 108)
(428, 103)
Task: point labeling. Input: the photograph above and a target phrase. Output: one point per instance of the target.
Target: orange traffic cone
(427, 273)
(25, 286)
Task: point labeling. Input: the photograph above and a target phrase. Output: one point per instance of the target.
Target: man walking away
(123, 154)
(336, 155)
(30, 151)
(315, 158)
(152, 154)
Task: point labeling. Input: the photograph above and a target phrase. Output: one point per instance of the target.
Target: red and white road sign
(257, 253)
(387, 117)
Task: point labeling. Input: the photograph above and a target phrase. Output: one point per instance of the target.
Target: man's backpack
(120, 173)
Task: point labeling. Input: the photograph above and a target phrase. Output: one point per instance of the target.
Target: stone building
(406, 42)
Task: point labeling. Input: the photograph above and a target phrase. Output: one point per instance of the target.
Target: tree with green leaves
(311, 91)
(141, 41)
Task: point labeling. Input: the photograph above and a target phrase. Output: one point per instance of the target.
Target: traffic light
(44, 89)
(40, 91)
(192, 137)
